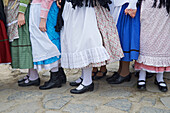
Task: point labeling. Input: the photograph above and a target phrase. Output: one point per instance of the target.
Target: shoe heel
(91, 88)
(63, 81)
(128, 79)
(37, 84)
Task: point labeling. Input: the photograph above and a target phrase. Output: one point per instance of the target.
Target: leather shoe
(55, 81)
(75, 83)
(99, 77)
(121, 79)
(30, 83)
(113, 77)
(84, 89)
(23, 79)
(62, 75)
(141, 87)
(161, 88)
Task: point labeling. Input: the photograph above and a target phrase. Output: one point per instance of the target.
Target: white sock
(87, 78)
(26, 77)
(55, 69)
(159, 78)
(142, 76)
(79, 79)
(33, 75)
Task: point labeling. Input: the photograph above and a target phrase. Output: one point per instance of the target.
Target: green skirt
(21, 50)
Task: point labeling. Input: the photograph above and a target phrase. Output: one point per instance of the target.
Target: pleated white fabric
(81, 41)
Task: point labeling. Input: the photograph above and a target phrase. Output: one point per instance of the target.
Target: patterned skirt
(5, 55)
(155, 39)
(12, 19)
(21, 50)
(109, 33)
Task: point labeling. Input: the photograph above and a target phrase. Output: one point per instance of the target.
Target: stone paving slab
(56, 101)
(121, 104)
(119, 92)
(79, 108)
(24, 95)
(32, 107)
(153, 110)
(166, 101)
(150, 100)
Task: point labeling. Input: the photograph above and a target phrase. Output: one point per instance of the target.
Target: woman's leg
(100, 74)
(141, 84)
(87, 83)
(33, 79)
(160, 82)
(124, 68)
(56, 79)
(78, 81)
(124, 75)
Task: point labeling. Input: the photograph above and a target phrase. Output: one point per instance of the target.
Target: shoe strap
(81, 79)
(141, 81)
(82, 85)
(162, 83)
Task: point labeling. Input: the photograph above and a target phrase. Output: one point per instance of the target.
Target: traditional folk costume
(21, 50)
(129, 34)
(82, 42)
(5, 55)
(154, 43)
(45, 45)
(128, 27)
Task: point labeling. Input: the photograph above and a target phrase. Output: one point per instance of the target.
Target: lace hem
(95, 57)
(151, 69)
(47, 66)
(154, 61)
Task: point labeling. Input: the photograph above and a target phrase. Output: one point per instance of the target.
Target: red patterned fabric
(109, 33)
(5, 55)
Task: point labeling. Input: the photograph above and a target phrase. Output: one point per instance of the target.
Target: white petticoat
(81, 41)
(42, 47)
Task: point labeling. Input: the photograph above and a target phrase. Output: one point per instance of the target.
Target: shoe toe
(163, 89)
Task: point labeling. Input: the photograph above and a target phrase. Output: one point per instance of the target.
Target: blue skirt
(52, 34)
(129, 33)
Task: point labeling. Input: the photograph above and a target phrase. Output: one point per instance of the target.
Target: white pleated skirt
(81, 41)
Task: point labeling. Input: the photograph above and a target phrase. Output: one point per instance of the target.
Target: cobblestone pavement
(124, 98)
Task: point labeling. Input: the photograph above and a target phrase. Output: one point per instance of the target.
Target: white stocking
(33, 75)
(142, 76)
(159, 78)
(87, 78)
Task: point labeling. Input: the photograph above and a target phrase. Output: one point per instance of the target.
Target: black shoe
(62, 75)
(84, 89)
(75, 83)
(30, 83)
(141, 87)
(54, 82)
(99, 77)
(94, 74)
(113, 77)
(161, 88)
(121, 79)
(23, 79)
